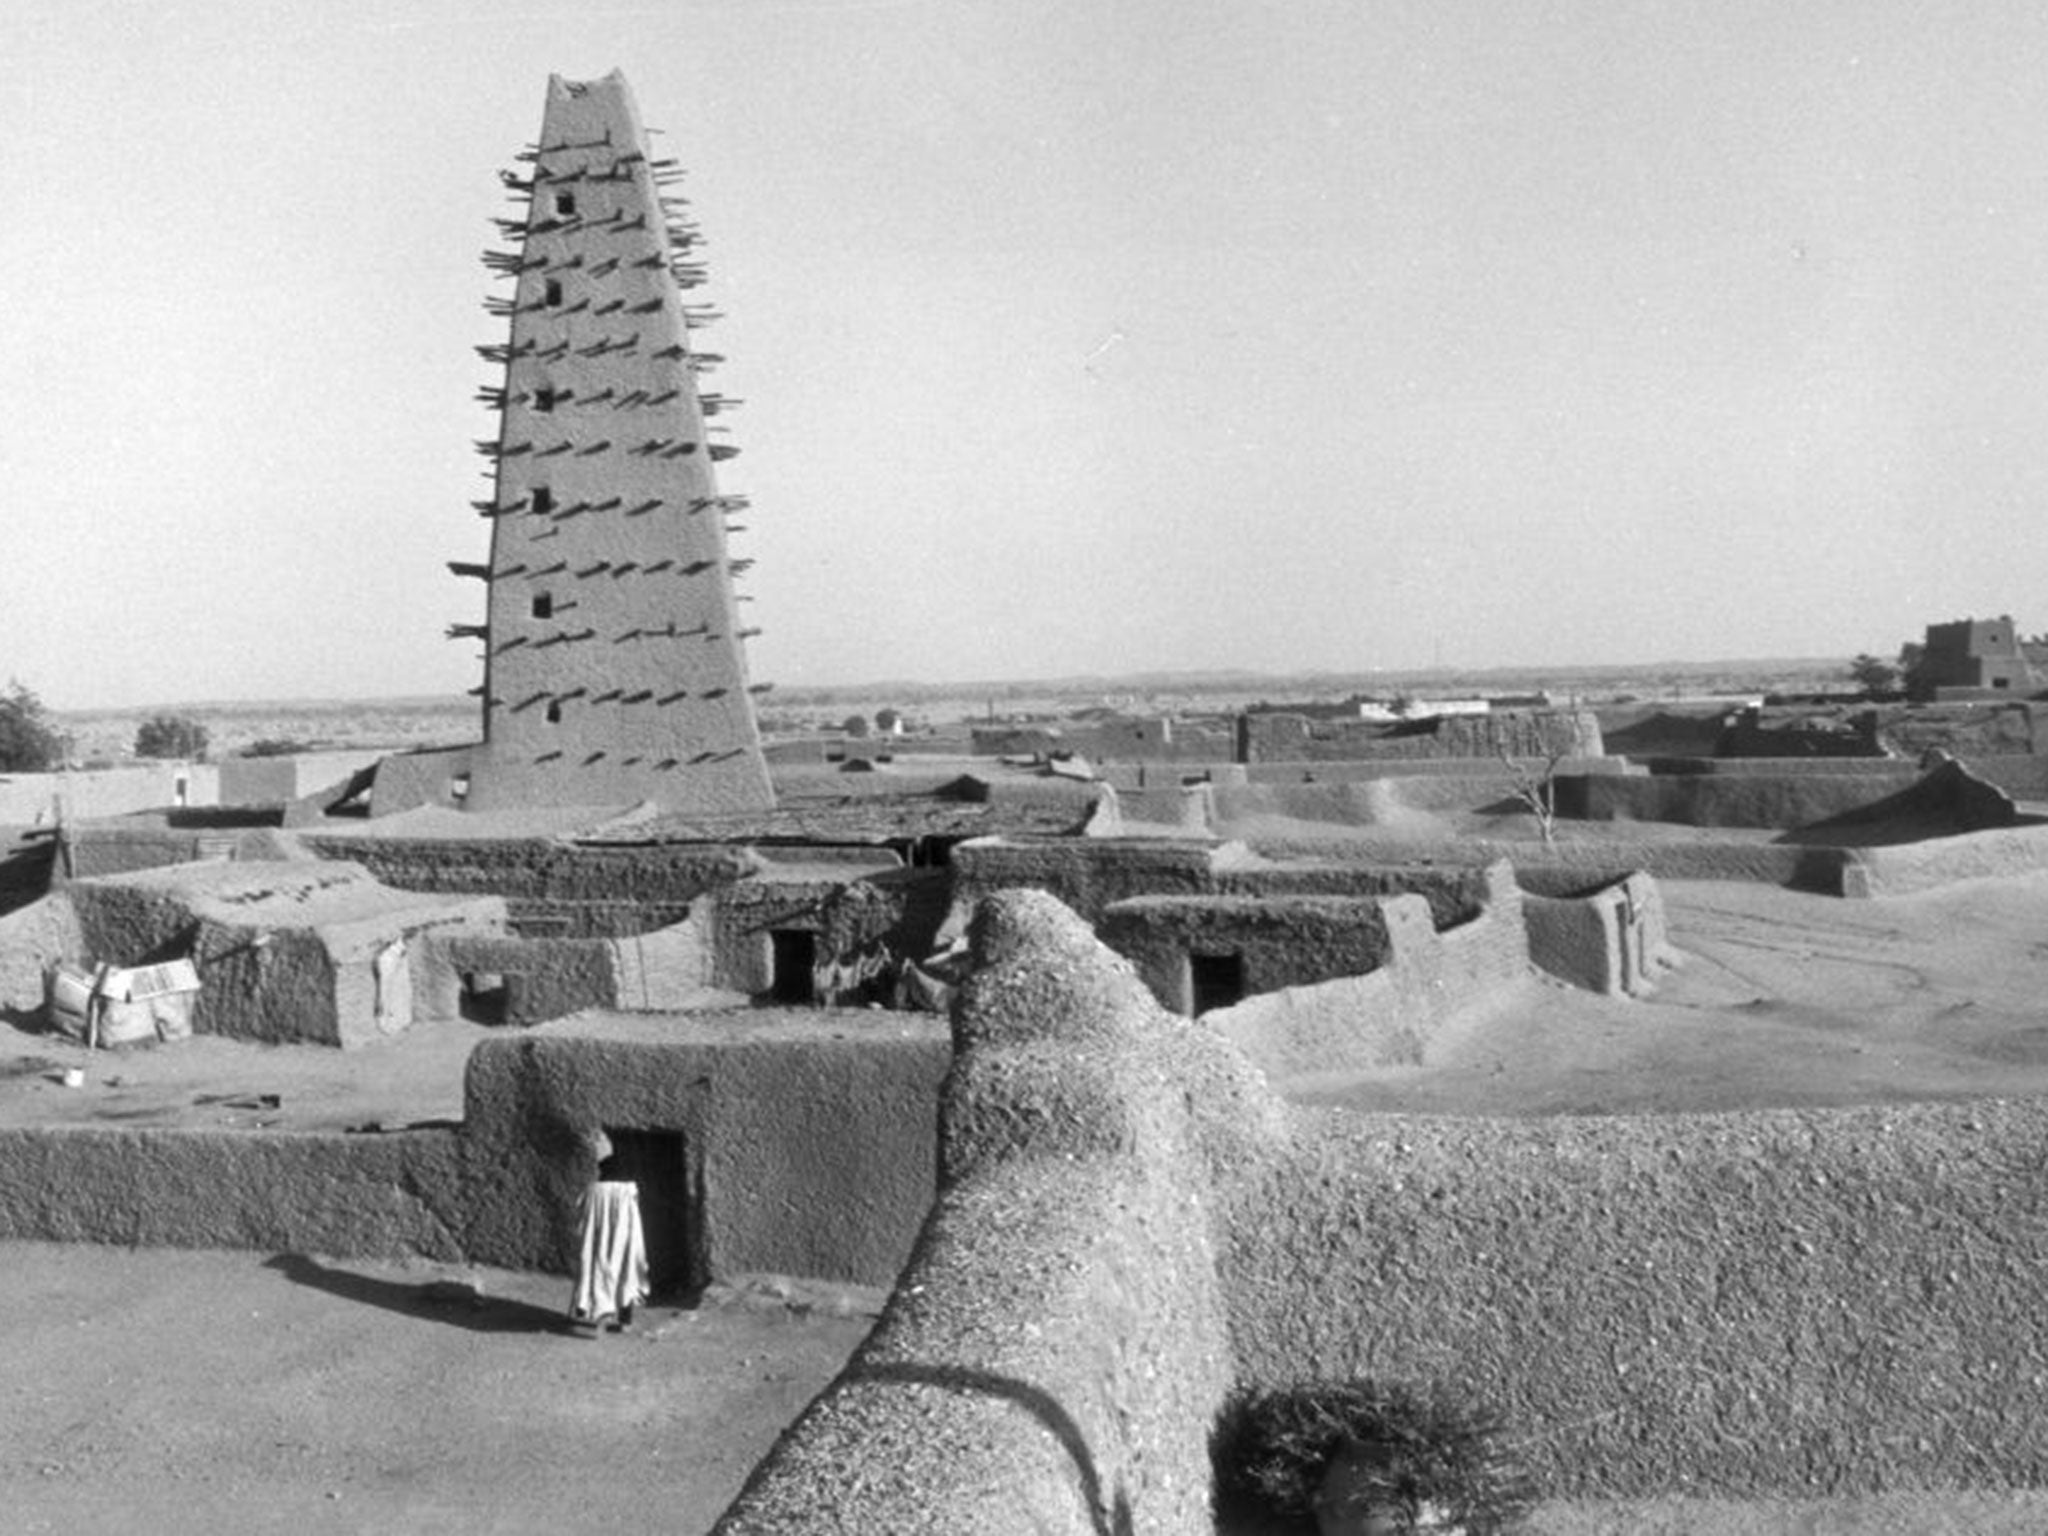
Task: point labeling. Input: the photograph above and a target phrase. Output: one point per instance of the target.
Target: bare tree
(1537, 787)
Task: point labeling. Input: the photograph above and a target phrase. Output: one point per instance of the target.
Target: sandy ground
(222, 1393)
(1781, 998)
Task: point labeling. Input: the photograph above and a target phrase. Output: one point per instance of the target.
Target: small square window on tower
(565, 205)
(544, 608)
(551, 294)
(546, 398)
(542, 500)
(554, 711)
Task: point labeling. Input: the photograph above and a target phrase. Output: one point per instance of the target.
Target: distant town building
(1977, 656)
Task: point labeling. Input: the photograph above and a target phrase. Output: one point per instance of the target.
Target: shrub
(1411, 1460)
(29, 742)
(171, 736)
(277, 746)
(1873, 675)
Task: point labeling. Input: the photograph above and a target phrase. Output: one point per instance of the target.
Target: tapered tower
(614, 665)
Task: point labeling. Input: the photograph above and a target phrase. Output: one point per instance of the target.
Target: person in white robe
(611, 1267)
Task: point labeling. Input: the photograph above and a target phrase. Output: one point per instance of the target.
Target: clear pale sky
(1075, 335)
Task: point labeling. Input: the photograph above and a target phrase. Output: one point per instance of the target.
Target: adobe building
(1974, 656)
(614, 664)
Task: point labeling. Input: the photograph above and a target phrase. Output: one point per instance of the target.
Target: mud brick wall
(1283, 941)
(394, 1196)
(538, 869)
(1284, 738)
(1613, 941)
(1054, 1357)
(810, 1139)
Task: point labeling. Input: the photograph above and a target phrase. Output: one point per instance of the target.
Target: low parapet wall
(1613, 940)
(391, 1197)
(1085, 874)
(1902, 868)
(1782, 1303)
(1780, 800)
(1583, 864)
(1385, 1016)
(1276, 941)
(537, 869)
(1055, 1356)
(1790, 1303)
(1533, 733)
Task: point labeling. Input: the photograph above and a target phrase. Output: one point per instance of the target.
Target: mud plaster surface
(349, 1397)
(1783, 999)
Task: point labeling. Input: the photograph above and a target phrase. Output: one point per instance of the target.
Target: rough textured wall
(1906, 867)
(1726, 800)
(1091, 875)
(851, 912)
(1389, 1016)
(1576, 865)
(1189, 808)
(1384, 800)
(1801, 733)
(1613, 941)
(111, 848)
(1455, 894)
(615, 668)
(1087, 875)
(294, 951)
(1946, 798)
(1785, 1302)
(393, 1196)
(1284, 738)
(1052, 1360)
(1968, 730)
(658, 876)
(1343, 771)
(542, 978)
(1152, 740)
(32, 939)
(810, 1137)
(1283, 941)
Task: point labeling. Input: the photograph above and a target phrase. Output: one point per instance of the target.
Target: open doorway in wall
(793, 955)
(1214, 981)
(485, 998)
(670, 1211)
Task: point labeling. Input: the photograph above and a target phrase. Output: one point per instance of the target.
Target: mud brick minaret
(614, 667)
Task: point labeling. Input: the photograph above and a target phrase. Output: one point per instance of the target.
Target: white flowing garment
(612, 1273)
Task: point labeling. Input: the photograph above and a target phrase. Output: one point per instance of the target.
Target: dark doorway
(1214, 981)
(670, 1210)
(486, 997)
(794, 955)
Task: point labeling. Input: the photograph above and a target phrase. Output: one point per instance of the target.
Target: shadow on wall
(1039, 1405)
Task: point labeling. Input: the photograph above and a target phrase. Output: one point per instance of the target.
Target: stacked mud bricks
(614, 663)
